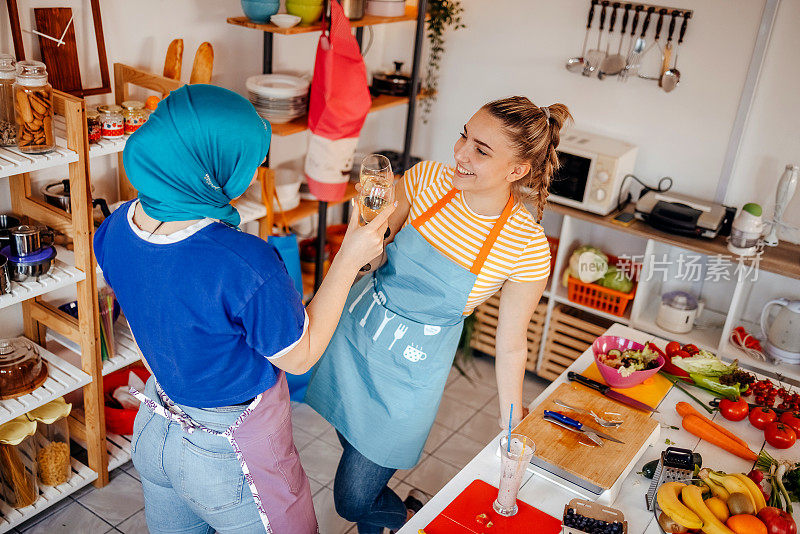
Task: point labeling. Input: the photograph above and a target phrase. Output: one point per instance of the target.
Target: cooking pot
(57, 194)
(7, 222)
(20, 269)
(353, 9)
(395, 83)
(27, 239)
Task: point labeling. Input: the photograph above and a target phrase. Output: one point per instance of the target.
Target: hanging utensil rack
(645, 19)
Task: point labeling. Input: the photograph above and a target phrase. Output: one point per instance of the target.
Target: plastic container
(112, 121)
(33, 104)
(594, 510)
(120, 420)
(603, 344)
(52, 457)
(601, 298)
(18, 462)
(134, 115)
(8, 128)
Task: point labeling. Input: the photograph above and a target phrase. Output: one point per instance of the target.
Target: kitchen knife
(551, 417)
(610, 393)
(580, 426)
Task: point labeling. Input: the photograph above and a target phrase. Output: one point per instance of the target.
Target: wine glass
(377, 187)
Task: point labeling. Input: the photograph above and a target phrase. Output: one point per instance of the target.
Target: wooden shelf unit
(366, 20)
(39, 315)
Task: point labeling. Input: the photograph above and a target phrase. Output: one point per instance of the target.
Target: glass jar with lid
(93, 126)
(33, 103)
(135, 115)
(111, 121)
(18, 462)
(52, 456)
(8, 72)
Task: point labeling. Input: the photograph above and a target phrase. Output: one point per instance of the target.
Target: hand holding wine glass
(377, 186)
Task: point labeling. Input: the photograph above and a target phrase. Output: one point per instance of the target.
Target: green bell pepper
(713, 385)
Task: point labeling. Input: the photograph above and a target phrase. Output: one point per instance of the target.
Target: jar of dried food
(18, 462)
(8, 72)
(112, 122)
(52, 457)
(135, 115)
(93, 126)
(33, 103)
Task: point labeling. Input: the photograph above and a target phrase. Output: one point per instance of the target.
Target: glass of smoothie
(516, 452)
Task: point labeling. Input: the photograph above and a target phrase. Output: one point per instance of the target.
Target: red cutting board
(460, 516)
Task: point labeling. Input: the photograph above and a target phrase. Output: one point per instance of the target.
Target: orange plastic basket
(599, 297)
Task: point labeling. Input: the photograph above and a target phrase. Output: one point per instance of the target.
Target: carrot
(684, 409)
(700, 428)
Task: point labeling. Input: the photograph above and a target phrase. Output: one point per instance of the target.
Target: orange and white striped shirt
(521, 253)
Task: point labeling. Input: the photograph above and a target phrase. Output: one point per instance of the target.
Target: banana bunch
(732, 494)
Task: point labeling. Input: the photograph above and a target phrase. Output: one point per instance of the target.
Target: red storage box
(120, 420)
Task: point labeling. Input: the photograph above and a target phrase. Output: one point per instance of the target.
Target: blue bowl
(259, 11)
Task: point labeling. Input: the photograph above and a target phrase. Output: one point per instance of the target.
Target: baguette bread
(203, 64)
(174, 59)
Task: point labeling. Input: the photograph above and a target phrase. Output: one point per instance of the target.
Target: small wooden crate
(485, 330)
(571, 332)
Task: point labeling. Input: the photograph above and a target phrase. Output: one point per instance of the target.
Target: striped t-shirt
(520, 254)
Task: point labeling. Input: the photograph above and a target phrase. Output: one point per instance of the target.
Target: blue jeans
(361, 494)
(192, 483)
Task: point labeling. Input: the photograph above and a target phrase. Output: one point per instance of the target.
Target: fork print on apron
(382, 376)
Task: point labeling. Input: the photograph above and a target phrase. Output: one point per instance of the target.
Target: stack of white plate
(279, 98)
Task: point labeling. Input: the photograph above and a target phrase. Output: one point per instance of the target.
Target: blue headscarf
(196, 153)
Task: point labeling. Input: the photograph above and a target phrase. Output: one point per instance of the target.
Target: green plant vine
(442, 14)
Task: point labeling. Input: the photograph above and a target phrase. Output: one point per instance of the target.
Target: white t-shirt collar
(160, 239)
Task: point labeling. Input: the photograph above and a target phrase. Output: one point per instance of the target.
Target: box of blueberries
(587, 517)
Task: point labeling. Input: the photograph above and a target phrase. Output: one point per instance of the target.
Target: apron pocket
(285, 453)
(211, 476)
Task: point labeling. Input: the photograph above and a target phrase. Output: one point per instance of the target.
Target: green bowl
(309, 14)
(307, 2)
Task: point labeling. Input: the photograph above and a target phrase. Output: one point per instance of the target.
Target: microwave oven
(592, 169)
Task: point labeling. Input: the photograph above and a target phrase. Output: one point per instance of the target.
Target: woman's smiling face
(485, 158)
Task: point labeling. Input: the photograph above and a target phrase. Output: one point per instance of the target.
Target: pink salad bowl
(612, 377)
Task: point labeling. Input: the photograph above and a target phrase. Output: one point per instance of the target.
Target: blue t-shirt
(207, 311)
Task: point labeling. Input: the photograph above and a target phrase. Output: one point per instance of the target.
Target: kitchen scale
(675, 465)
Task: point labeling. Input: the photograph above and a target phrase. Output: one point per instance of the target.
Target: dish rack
(602, 298)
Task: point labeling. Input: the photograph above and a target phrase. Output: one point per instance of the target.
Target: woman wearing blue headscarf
(218, 321)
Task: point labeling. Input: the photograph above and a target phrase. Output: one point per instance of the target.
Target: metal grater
(676, 464)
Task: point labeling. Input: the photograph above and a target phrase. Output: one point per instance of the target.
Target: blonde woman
(460, 234)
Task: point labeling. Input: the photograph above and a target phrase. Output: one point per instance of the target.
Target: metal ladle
(575, 64)
(670, 78)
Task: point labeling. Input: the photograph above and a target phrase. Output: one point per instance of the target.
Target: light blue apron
(382, 376)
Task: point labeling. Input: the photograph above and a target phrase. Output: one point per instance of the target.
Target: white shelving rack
(13, 162)
(730, 303)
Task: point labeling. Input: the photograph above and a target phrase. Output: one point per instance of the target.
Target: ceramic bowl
(259, 11)
(309, 14)
(307, 2)
(612, 377)
(284, 20)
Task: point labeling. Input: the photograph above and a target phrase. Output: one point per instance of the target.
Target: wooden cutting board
(571, 452)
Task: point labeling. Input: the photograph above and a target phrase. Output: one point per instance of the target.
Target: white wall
(772, 135)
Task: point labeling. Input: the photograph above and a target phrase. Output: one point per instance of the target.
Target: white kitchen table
(550, 497)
